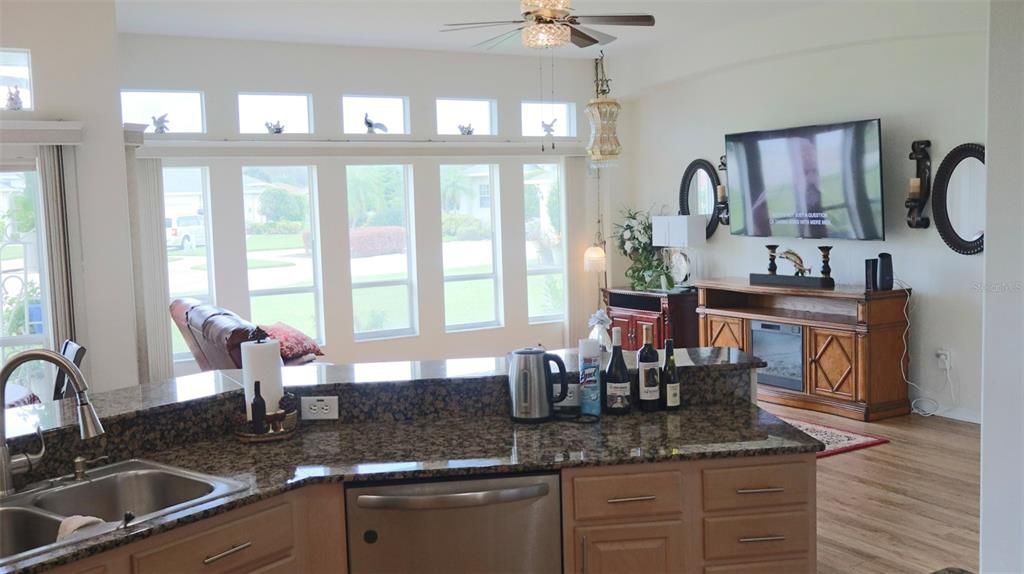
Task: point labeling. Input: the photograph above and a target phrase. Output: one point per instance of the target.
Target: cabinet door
(648, 547)
(831, 366)
(657, 332)
(624, 321)
(726, 332)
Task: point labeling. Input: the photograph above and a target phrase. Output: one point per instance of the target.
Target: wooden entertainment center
(852, 342)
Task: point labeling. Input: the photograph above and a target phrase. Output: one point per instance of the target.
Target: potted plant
(633, 239)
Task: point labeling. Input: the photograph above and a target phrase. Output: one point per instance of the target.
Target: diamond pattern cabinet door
(725, 332)
(831, 366)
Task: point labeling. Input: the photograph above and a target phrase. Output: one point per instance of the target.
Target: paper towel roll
(261, 361)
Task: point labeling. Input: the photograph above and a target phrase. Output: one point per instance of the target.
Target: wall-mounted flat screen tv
(814, 181)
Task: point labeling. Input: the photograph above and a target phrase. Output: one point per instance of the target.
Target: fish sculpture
(797, 261)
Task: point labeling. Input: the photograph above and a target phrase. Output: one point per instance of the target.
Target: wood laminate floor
(907, 506)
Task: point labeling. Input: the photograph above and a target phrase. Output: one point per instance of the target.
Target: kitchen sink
(22, 529)
(29, 520)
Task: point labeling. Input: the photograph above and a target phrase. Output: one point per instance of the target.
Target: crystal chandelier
(603, 112)
(528, 6)
(546, 35)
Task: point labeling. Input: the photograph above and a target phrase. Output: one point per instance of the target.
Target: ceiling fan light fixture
(530, 6)
(546, 35)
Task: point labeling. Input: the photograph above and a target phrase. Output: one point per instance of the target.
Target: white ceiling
(416, 24)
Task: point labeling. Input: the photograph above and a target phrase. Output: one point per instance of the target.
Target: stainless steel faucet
(88, 421)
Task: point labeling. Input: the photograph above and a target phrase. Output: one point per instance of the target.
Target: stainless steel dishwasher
(493, 525)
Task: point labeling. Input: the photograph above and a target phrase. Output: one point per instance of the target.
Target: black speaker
(885, 276)
(871, 275)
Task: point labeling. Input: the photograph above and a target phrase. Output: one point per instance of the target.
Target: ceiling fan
(551, 23)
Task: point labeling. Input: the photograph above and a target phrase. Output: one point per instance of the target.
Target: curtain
(56, 173)
(149, 254)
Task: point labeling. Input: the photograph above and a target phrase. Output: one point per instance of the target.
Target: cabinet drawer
(253, 542)
(776, 567)
(643, 494)
(756, 535)
(755, 486)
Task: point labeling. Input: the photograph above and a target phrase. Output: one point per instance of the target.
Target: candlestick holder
(826, 270)
(772, 266)
(915, 204)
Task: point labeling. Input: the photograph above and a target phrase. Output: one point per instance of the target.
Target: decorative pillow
(294, 343)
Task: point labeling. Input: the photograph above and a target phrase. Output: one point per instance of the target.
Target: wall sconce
(920, 186)
(721, 197)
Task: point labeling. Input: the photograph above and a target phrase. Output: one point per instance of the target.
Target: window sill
(547, 320)
(384, 335)
(473, 327)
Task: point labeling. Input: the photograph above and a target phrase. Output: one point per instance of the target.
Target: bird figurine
(160, 124)
(549, 129)
(373, 127)
(797, 261)
(466, 130)
(13, 99)
(274, 128)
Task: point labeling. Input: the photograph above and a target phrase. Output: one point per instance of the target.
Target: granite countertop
(447, 447)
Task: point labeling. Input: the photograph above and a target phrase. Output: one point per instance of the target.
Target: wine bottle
(670, 397)
(259, 411)
(649, 373)
(616, 383)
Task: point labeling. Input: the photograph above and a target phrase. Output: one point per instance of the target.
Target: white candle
(915, 188)
(721, 194)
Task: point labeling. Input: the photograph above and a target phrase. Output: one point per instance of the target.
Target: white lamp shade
(678, 230)
(594, 259)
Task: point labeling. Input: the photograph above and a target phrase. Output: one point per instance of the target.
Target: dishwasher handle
(454, 500)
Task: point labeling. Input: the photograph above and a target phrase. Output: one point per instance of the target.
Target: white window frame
(172, 133)
(571, 129)
(493, 115)
(309, 113)
(551, 269)
(410, 249)
(211, 274)
(496, 267)
(314, 229)
(31, 85)
(406, 116)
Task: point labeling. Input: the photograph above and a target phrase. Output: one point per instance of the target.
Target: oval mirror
(959, 195)
(697, 193)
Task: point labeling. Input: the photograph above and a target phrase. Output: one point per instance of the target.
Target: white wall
(923, 83)
(74, 75)
(1002, 434)
(326, 72)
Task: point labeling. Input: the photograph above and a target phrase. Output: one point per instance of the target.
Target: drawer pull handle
(632, 499)
(226, 553)
(762, 539)
(760, 490)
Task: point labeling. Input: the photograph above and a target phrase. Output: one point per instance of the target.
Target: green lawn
(13, 252)
(258, 243)
(254, 264)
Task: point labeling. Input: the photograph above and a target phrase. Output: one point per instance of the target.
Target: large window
(387, 115)
(281, 246)
(16, 76)
(186, 227)
(290, 111)
(24, 313)
(474, 117)
(176, 112)
(545, 242)
(470, 246)
(558, 117)
(380, 243)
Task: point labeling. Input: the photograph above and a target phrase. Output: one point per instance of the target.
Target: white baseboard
(961, 414)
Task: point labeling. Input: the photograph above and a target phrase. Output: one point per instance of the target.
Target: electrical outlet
(320, 408)
(945, 359)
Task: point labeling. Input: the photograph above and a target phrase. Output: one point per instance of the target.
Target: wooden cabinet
(724, 332)
(301, 531)
(670, 315)
(728, 516)
(648, 547)
(854, 352)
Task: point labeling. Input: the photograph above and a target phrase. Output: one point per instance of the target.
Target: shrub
(275, 228)
(463, 227)
(373, 241)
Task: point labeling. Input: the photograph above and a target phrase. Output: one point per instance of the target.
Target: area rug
(837, 441)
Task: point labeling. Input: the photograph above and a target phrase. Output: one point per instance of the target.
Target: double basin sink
(29, 521)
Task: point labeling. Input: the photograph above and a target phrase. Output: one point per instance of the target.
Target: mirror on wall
(697, 193)
(959, 199)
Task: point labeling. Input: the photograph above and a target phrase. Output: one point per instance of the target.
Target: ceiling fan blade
(616, 20)
(601, 37)
(481, 23)
(490, 25)
(496, 40)
(581, 39)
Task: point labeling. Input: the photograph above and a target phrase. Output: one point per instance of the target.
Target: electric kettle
(531, 384)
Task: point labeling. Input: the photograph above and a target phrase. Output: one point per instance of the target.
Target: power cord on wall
(923, 405)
